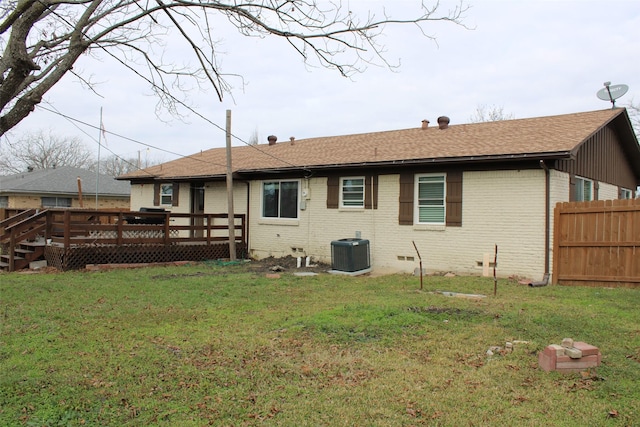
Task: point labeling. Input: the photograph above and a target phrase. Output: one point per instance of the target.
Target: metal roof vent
(272, 139)
(443, 122)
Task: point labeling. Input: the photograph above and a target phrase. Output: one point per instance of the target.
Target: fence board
(597, 243)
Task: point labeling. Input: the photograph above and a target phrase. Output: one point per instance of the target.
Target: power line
(169, 95)
(126, 138)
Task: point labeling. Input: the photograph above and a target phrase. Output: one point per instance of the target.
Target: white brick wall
(607, 191)
(141, 196)
(504, 208)
(500, 207)
(311, 234)
(215, 197)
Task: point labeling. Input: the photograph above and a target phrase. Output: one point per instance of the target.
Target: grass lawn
(222, 345)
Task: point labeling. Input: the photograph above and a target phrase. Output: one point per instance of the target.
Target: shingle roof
(63, 180)
(523, 138)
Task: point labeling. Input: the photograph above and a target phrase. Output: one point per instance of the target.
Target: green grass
(221, 345)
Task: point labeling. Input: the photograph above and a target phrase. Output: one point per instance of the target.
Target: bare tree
(254, 139)
(42, 150)
(634, 115)
(42, 40)
(116, 166)
(489, 114)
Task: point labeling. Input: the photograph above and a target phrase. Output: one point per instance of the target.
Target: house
(62, 187)
(455, 191)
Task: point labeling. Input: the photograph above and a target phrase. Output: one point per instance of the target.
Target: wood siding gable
(600, 158)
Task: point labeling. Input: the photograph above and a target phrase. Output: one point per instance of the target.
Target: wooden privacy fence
(597, 243)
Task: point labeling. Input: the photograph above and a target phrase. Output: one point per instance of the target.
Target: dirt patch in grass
(288, 264)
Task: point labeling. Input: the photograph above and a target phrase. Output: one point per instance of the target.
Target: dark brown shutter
(405, 212)
(333, 192)
(596, 189)
(454, 199)
(369, 181)
(156, 194)
(176, 194)
(572, 188)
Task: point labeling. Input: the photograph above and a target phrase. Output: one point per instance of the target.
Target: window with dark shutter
(176, 194)
(572, 188)
(371, 191)
(333, 192)
(156, 194)
(454, 199)
(405, 199)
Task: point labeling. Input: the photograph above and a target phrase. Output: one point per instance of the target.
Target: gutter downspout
(547, 225)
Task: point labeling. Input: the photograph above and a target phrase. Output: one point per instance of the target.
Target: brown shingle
(534, 136)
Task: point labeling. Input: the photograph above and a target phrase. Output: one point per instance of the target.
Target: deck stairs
(22, 239)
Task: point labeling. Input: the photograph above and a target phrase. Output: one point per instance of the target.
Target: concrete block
(573, 353)
(486, 265)
(567, 342)
(35, 265)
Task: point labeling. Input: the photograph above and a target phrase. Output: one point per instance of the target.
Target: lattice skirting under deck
(76, 258)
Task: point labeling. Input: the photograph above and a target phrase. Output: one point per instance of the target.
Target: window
(280, 199)
(584, 189)
(166, 194)
(4, 201)
(626, 194)
(430, 197)
(447, 186)
(352, 192)
(56, 202)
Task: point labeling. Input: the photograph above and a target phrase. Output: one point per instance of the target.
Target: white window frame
(279, 214)
(352, 204)
(441, 179)
(166, 194)
(626, 193)
(58, 202)
(580, 189)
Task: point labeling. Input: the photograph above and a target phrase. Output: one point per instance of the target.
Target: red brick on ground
(553, 358)
(586, 349)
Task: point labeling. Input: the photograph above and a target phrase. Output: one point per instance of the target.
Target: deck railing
(69, 228)
(81, 227)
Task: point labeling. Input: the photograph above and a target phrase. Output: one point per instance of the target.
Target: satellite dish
(612, 92)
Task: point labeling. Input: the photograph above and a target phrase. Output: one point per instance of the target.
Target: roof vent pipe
(272, 139)
(292, 139)
(425, 124)
(443, 122)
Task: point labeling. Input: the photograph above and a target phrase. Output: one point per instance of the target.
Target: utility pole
(230, 213)
(98, 164)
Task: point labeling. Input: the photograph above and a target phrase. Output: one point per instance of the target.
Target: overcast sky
(531, 58)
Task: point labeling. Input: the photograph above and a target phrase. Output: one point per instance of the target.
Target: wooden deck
(73, 238)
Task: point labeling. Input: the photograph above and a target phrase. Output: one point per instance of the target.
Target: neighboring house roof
(552, 137)
(63, 181)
